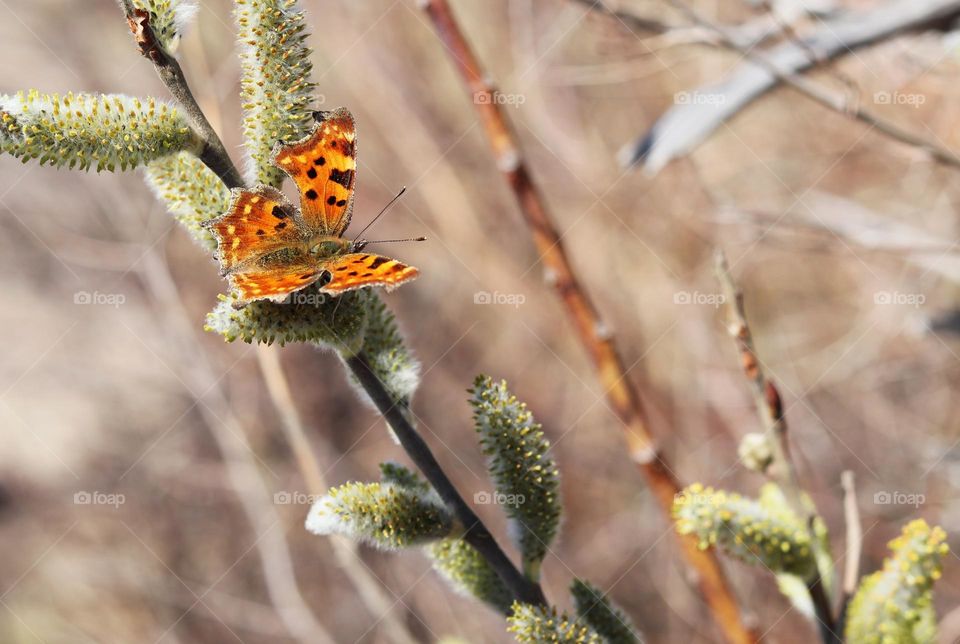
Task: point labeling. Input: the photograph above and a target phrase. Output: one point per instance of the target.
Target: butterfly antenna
(380, 214)
(393, 241)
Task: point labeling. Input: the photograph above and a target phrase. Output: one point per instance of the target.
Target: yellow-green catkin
(526, 477)
(387, 515)
(306, 316)
(102, 131)
(744, 528)
(469, 573)
(538, 625)
(596, 611)
(275, 82)
(191, 191)
(895, 605)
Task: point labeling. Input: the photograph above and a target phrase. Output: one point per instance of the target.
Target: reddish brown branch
(766, 396)
(621, 394)
(770, 408)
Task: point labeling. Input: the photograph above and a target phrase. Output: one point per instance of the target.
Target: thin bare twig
(475, 532)
(766, 396)
(214, 154)
(813, 91)
(851, 569)
(345, 550)
(769, 405)
(622, 396)
(634, 21)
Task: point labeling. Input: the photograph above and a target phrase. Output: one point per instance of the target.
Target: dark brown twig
(476, 533)
(214, 154)
(622, 396)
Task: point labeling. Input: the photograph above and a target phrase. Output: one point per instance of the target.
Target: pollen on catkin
(102, 131)
(385, 515)
(895, 605)
(596, 611)
(526, 477)
(774, 538)
(539, 625)
(307, 316)
(387, 352)
(469, 573)
(275, 84)
(191, 191)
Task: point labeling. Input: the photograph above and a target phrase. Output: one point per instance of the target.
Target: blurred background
(135, 445)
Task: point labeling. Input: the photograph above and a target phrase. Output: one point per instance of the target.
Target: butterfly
(268, 249)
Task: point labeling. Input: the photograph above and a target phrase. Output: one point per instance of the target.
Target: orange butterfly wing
(358, 270)
(274, 283)
(258, 222)
(324, 166)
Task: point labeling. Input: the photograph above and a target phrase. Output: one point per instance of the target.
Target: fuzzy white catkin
(103, 131)
(275, 82)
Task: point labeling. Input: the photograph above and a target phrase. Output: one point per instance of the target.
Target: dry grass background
(94, 397)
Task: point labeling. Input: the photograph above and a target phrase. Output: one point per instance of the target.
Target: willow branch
(766, 396)
(213, 154)
(621, 395)
(769, 405)
(476, 533)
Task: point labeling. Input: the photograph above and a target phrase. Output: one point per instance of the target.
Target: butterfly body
(268, 248)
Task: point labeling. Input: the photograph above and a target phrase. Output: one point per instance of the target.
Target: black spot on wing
(343, 177)
(378, 261)
(311, 194)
